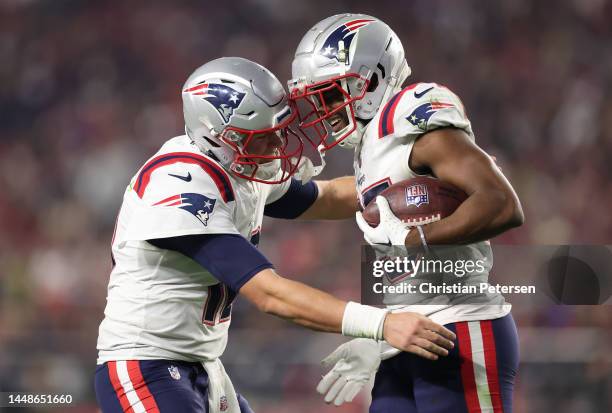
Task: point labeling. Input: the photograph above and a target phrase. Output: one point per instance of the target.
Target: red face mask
(260, 154)
(330, 101)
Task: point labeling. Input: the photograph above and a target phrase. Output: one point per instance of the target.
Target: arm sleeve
(213, 253)
(295, 201)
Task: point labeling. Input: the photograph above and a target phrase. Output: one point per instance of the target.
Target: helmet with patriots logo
(353, 57)
(237, 112)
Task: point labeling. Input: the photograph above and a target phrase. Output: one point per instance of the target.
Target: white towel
(221, 394)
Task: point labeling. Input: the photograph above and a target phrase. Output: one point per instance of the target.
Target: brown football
(418, 201)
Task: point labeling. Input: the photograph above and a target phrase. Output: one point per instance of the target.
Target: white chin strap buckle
(307, 170)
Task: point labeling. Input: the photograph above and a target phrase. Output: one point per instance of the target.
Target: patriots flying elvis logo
(223, 97)
(345, 33)
(200, 206)
(422, 113)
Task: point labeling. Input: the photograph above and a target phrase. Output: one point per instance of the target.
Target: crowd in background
(90, 90)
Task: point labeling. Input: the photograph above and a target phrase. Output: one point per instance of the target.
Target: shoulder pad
(179, 193)
(181, 172)
(420, 108)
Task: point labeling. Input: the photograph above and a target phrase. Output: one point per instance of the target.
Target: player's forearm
(295, 302)
(484, 215)
(320, 311)
(307, 306)
(337, 200)
(492, 206)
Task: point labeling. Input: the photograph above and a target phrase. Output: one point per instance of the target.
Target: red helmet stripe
(196, 87)
(353, 28)
(354, 22)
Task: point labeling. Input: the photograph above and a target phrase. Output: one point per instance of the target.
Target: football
(418, 201)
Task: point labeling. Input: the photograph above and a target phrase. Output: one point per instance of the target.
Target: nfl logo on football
(417, 195)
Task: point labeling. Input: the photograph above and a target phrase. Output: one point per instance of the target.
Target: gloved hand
(354, 363)
(390, 231)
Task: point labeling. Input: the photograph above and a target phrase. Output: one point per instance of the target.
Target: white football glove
(355, 362)
(390, 231)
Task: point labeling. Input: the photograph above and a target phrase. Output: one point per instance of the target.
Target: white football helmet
(354, 57)
(237, 111)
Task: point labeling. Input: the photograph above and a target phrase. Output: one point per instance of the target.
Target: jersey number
(218, 306)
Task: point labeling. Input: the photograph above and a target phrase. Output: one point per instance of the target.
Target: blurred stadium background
(89, 90)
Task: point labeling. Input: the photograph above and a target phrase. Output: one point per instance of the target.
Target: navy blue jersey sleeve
(294, 202)
(230, 258)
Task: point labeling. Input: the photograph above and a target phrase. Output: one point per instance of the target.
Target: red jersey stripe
(219, 176)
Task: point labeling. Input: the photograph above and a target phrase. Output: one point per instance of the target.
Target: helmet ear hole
(211, 142)
(373, 83)
(381, 68)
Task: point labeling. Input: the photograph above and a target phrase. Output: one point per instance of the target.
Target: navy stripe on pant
(154, 386)
(477, 376)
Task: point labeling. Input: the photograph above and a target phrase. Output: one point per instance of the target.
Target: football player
(185, 245)
(348, 85)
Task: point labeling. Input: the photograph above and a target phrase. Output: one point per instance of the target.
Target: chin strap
(307, 170)
(354, 138)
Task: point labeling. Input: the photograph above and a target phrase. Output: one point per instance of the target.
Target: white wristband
(423, 240)
(363, 321)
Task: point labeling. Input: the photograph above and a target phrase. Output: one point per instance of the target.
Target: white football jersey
(161, 304)
(382, 159)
